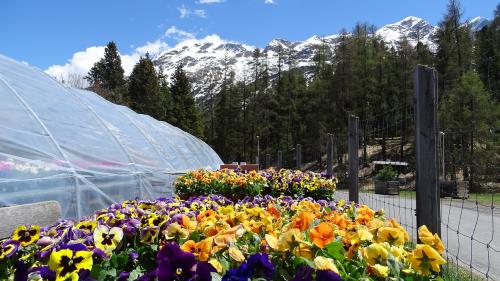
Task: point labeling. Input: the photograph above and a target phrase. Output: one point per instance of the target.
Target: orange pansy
(322, 234)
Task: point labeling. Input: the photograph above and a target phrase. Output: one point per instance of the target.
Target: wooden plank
(229, 166)
(41, 213)
(426, 136)
(249, 167)
(353, 158)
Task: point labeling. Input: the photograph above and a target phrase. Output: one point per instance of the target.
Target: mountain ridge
(204, 59)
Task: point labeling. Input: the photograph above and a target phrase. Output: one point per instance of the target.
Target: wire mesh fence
(469, 185)
(468, 180)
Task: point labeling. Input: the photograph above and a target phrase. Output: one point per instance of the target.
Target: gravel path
(470, 231)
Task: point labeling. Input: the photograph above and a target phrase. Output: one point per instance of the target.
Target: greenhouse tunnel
(75, 147)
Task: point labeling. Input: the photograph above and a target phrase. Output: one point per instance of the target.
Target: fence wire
(470, 213)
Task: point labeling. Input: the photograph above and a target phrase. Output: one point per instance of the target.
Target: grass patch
(454, 272)
(483, 198)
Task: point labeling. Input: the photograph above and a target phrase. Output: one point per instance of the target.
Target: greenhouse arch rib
(144, 134)
(101, 121)
(53, 140)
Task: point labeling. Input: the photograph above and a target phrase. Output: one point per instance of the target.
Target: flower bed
(208, 238)
(238, 184)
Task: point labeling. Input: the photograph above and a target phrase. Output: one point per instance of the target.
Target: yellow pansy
(236, 254)
(175, 231)
(425, 258)
(429, 239)
(323, 263)
(380, 270)
(87, 226)
(67, 263)
(217, 265)
(391, 235)
(107, 239)
(26, 235)
(375, 253)
(149, 234)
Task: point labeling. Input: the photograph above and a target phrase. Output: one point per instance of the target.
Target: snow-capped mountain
(415, 29)
(204, 59)
(477, 23)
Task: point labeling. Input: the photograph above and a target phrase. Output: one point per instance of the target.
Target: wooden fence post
(268, 160)
(353, 158)
(280, 160)
(426, 136)
(298, 156)
(329, 155)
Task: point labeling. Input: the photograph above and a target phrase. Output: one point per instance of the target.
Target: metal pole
(298, 156)
(280, 160)
(258, 151)
(442, 155)
(329, 155)
(353, 158)
(426, 148)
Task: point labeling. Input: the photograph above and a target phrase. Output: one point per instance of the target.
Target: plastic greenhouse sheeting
(73, 146)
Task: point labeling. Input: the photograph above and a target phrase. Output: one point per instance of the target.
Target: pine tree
(185, 113)
(144, 88)
(454, 53)
(469, 115)
(165, 108)
(106, 77)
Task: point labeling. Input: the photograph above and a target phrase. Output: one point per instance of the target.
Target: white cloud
(152, 48)
(81, 62)
(185, 12)
(269, 1)
(210, 1)
(200, 13)
(178, 34)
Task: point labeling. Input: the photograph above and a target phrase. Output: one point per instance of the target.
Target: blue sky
(46, 33)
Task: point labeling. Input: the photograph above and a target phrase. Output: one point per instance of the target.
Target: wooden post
(426, 136)
(268, 160)
(298, 156)
(280, 160)
(353, 158)
(329, 155)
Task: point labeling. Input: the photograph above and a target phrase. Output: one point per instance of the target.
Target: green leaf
(134, 274)
(111, 272)
(335, 250)
(301, 260)
(216, 276)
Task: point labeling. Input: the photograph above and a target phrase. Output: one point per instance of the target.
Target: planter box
(454, 189)
(387, 187)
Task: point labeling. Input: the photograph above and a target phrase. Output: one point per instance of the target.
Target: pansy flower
(68, 263)
(322, 234)
(175, 231)
(107, 239)
(26, 235)
(8, 248)
(375, 253)
(425, 258)
(391, 235)
(200, 249)
(430, 239)
(176, 264)
(149, 234)
(87, 226)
